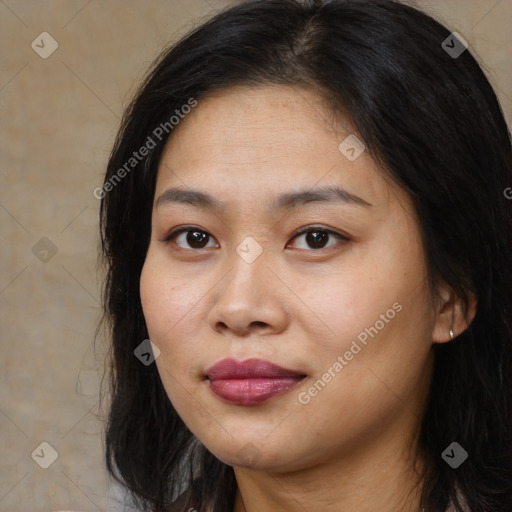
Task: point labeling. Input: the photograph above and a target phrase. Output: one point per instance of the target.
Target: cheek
(352, 297)
(168, 313)
(173, 307)
(376, 296)
(164, 296)
(154, 296)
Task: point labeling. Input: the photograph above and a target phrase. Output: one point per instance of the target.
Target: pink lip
(250, 382)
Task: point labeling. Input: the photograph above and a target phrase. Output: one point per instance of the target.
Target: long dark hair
(433, 123)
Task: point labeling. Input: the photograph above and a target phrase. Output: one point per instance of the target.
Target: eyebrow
(286, 201)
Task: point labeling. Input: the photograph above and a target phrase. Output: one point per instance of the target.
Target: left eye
(316, 238)
(194, 237)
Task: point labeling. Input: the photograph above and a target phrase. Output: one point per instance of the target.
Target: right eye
(196, 238)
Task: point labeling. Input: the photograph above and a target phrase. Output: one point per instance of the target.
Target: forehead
(271, 121)
(245, 142)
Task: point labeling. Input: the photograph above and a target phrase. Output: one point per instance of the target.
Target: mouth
(250, 382)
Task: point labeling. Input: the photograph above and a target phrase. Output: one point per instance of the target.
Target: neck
(378, 478)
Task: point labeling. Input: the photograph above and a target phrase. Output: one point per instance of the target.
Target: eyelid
(180, 229)
(307, 229)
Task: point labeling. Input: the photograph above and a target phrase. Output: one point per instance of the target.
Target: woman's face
(344, 306)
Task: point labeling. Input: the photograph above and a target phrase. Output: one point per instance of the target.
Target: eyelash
(300, 232)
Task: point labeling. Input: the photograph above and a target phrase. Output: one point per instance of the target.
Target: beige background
(58, 120)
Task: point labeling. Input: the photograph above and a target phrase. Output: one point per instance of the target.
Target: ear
(450, 314)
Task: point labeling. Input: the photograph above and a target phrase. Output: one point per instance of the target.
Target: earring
(451, 334)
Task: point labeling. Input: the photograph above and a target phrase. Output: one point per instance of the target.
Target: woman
(305, 212)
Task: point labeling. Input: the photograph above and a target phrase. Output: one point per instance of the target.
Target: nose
(250, 299)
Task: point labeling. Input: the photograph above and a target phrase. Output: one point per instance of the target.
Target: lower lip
(252, 391)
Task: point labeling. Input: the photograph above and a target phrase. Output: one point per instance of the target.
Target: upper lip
(250, 368)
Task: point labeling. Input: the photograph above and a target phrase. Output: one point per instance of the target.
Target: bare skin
(349, 446)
